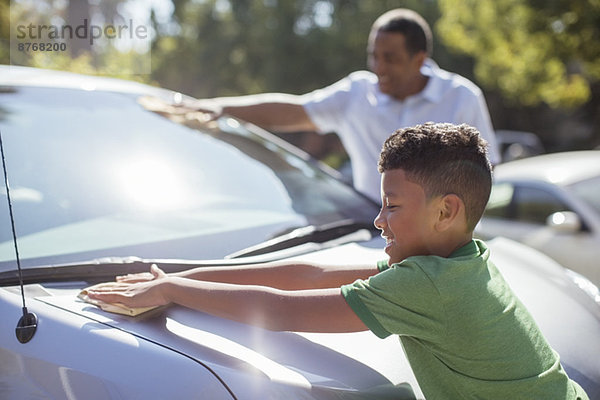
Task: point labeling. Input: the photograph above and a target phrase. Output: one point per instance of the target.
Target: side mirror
(564, 222)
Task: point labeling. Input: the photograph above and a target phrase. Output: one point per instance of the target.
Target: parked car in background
(552, 203)
(102, 186)
(514, 145)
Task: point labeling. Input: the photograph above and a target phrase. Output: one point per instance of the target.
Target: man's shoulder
(358, 85)
(363, 76)
(356, 82)
(362, 81)
(444, 80)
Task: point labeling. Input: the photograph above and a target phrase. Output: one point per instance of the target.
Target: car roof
(11, 75)
(557, 168)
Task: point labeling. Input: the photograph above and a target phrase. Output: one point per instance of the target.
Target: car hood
(255, 361)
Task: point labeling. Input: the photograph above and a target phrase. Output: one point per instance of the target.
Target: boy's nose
(379, 221)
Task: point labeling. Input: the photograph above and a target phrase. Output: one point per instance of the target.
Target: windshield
(94, 174)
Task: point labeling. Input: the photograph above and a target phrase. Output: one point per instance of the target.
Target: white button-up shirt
(364, 118)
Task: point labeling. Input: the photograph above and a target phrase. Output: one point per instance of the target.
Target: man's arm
(317, 310)
(273, 111)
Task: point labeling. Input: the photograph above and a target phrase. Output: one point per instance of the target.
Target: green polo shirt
(464, 332)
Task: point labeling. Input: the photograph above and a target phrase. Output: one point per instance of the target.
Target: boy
(464, 332)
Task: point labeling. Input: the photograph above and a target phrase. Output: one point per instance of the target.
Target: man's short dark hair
(443, 159)
(407, 22)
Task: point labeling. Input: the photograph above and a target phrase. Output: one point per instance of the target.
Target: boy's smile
(407, 218)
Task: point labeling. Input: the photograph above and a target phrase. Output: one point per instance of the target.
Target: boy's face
(407, 219)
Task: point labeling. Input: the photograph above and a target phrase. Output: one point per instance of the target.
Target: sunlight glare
(151, 183)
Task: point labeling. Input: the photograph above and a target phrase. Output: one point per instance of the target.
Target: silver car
(101, 186)
(550, 202)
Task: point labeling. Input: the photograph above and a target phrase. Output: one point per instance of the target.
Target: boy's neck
(446, 248)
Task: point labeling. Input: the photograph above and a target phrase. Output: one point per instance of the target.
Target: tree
(233, 47)
(4, 31)
(101, 58)
(532, 51)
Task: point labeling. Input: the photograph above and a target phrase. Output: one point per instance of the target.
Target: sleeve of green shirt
(399, 300)
(382, 265)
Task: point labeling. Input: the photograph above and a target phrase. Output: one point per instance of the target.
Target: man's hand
(192, 113)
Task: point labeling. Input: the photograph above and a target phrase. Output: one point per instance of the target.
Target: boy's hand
(154, 273)
(141, 294)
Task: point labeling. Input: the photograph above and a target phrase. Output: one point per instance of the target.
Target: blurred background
(537, 61)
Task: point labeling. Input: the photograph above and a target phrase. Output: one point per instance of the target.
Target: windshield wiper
(109, 267)
(102, 268)
(308, 234)
(99, 269)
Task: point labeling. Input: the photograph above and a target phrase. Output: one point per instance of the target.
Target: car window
(522, 203)
(588, 191)
(94, 174)
(500, 201)
(535, 205)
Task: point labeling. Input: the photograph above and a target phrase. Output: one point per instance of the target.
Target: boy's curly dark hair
(443, 159)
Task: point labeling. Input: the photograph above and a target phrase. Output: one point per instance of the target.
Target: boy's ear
(451, 208)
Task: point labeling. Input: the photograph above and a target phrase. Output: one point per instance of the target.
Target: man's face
(407, 218)
(397, 70)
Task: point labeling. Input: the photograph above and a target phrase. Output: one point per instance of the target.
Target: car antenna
(27, 324)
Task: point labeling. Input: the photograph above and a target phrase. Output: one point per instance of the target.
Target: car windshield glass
(94, 174)
(589, 191)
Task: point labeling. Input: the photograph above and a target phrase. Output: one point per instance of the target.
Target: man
(404, 88)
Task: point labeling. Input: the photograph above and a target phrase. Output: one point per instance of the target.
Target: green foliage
(532, 51)
(525, 54)
(4, 32)
(109, 63)
(103, 60)
(219, 47)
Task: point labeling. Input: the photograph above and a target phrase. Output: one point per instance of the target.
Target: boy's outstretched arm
(284, 275)
(314, 310)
